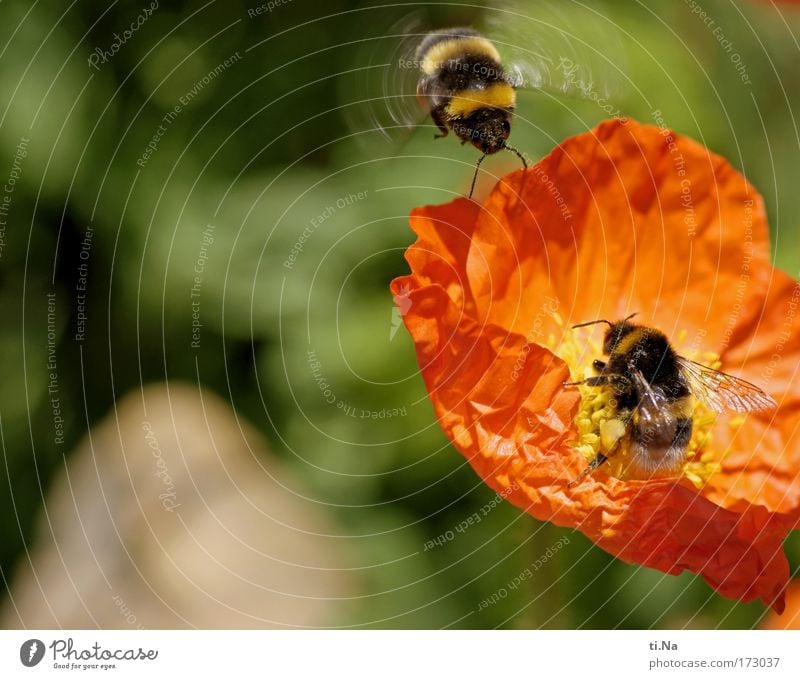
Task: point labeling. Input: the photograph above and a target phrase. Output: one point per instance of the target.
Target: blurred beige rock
(173, 514)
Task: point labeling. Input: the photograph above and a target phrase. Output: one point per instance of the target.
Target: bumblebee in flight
(408, 70)
(465, 89)
(653, 391)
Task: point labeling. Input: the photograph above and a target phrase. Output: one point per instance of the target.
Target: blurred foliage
(265, 151)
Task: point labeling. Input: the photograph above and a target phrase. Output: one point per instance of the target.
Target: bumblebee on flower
(722, 506)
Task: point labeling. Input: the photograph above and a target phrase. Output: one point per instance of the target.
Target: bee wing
(722, 392)
(381, 91)
(651, 402)
(556, 47)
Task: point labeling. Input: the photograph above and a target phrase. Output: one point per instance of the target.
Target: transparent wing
(722, 392)
(651, 402)
(562, 48)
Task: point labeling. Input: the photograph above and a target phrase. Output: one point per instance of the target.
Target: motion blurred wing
(561, 48)
(381, 91)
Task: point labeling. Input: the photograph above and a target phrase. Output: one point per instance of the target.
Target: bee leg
(594, 464)
(436, 114)
(475, 176)
(518, 154)
(601, 381)
(598, 381)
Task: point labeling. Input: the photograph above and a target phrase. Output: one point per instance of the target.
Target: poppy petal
(762, 465)
(596, 229)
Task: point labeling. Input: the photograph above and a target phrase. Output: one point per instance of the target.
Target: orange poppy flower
(625, 218)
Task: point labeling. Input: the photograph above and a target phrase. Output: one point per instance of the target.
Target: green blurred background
(270, 148)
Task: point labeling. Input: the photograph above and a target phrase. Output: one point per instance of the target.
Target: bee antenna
(475, 176)
(603, 320)
(599, 320)
(519, 155)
